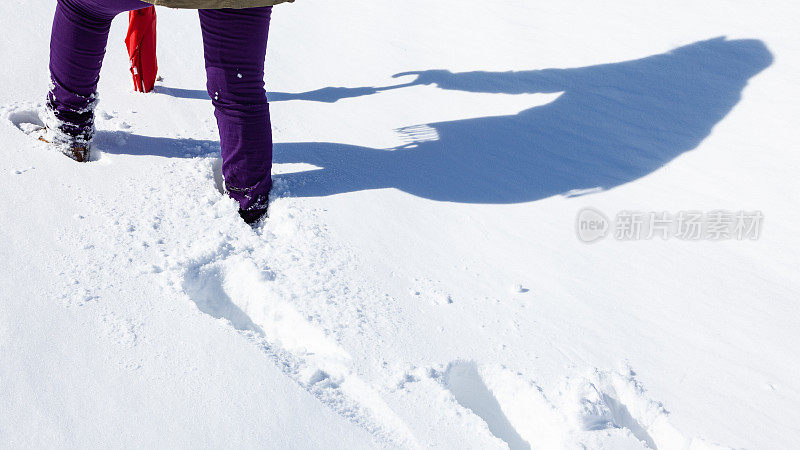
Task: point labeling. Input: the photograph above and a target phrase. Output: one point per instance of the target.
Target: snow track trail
(419, 282)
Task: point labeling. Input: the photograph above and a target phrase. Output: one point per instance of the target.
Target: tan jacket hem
(216, 4)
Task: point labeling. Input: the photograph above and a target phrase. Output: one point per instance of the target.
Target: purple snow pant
(235, 44)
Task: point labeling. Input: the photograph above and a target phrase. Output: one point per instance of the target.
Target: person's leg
(77, 47)
(235, 43)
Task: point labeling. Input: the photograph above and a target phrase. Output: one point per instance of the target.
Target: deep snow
(419, 282)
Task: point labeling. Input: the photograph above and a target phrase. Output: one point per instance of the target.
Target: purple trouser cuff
(253, 197)
(71, 118)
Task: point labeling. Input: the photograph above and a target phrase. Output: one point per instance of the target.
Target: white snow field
(420, 282)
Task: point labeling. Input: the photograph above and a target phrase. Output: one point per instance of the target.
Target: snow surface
(419, 282)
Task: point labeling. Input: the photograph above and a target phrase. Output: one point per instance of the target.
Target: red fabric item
(141, 42)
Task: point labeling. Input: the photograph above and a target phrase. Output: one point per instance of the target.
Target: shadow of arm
(512, 82)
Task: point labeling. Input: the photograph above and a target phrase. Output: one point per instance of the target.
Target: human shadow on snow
(611, 124)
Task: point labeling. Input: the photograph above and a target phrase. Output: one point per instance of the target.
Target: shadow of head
(612, 124)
